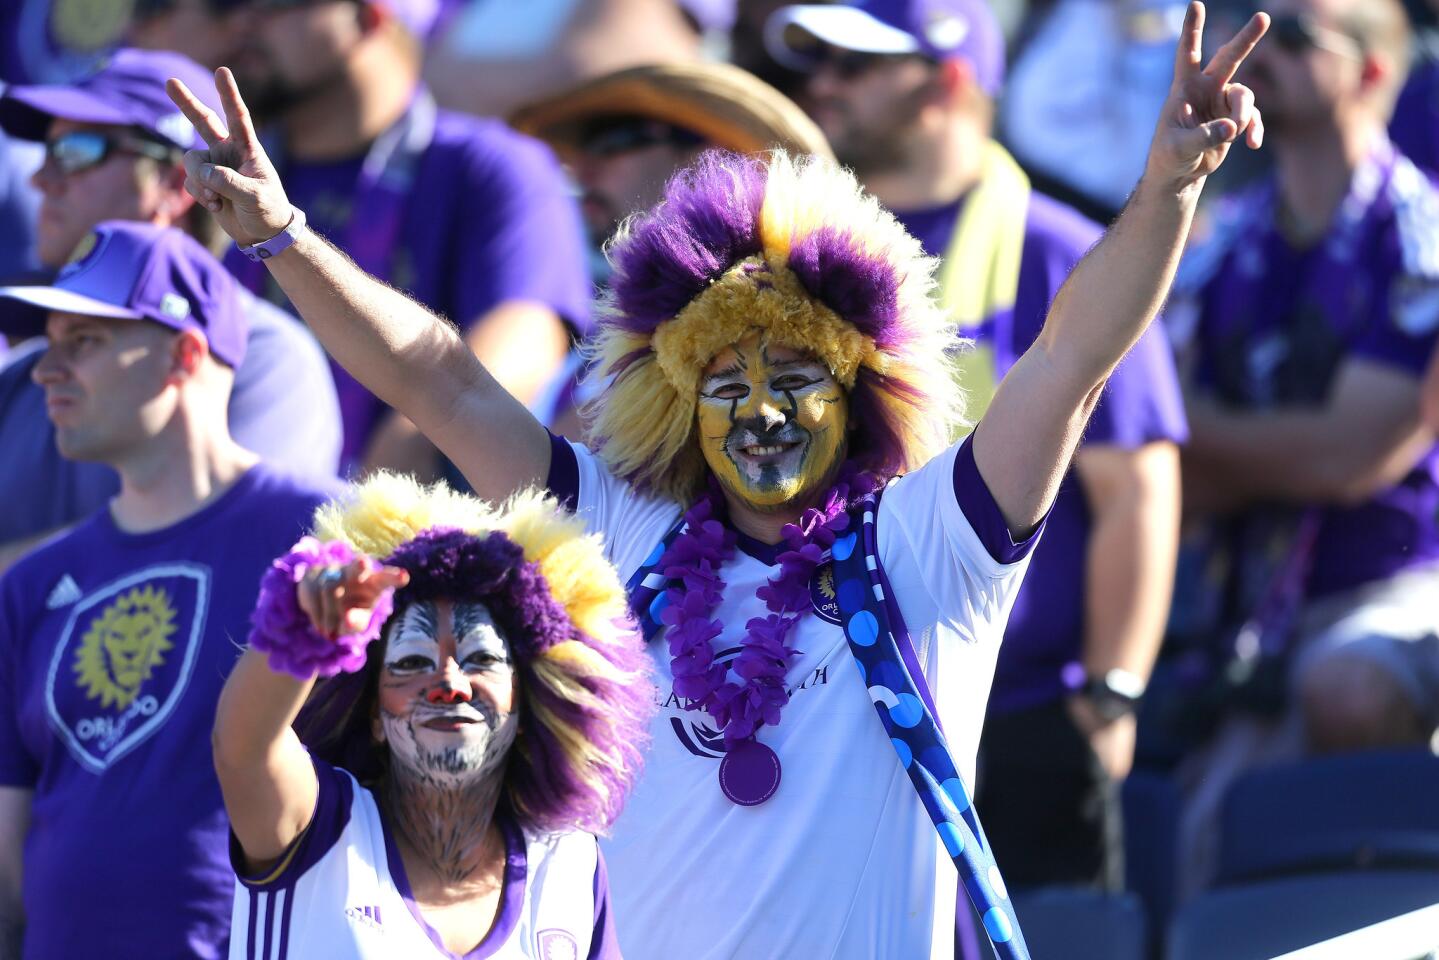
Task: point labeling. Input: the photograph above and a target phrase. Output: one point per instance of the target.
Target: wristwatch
(1113, 694)
(280, 242)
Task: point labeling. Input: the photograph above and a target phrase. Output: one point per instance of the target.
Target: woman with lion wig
(480, 718)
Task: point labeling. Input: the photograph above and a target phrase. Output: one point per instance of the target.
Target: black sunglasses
(852, 64)
(80, 150)
(1295, 33)
(616, 136)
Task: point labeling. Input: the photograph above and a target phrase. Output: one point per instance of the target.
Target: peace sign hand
(1205, 112)
(233, 179)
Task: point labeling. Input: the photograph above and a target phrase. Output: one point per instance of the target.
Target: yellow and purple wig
(585, 695)
(795, 249)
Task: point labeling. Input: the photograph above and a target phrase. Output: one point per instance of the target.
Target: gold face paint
(772, 423)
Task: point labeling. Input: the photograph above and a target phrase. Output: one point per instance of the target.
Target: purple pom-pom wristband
(279, 628)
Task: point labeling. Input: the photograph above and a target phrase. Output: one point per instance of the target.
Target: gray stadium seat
(1081, 925)
(1258, 921)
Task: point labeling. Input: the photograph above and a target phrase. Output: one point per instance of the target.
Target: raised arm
(411, 359)
(265, 773)
(1024, 443)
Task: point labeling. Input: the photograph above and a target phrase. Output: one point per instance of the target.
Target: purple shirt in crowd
(1141, 404)
(1273, 326)
(1414, 126)
(113, 650)
(481, 216)
(282, 407)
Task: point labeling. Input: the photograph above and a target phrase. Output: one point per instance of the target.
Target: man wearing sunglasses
(113, 144)
(468, 217)
(624, 134)
(904, 89)
(1310, 315)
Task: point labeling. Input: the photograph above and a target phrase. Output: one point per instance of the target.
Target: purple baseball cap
(137, 271)
(128, 90)
(940, 29)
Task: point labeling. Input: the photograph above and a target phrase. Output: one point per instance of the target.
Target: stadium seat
(1258, 921)
(1370, 810)
(1081, 924)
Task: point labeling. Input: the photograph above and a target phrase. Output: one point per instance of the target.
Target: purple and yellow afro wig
(794, 248)
(585, 691)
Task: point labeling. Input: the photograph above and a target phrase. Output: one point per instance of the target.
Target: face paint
(440, 727)
(772, 423)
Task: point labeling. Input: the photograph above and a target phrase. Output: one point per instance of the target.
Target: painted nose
(773, 416)
(447, 694)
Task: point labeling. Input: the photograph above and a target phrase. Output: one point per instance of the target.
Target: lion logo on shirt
(124, 645)
(124, 657)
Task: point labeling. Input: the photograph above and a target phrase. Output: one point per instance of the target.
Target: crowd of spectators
(1241, 568)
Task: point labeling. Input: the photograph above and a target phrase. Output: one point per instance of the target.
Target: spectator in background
(904, 90)
(1415, 124)
(113, 145)
(116, 638)
(206, 31)
(1311, 313)
(497, 56)
(1083, 95)
(1429, 400)
(748, 50)
(19, 208)
(625, 134)
(472, 219)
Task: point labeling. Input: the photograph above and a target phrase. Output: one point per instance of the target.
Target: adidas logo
(66, 592)
(367, 916)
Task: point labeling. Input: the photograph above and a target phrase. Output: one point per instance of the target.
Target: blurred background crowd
(1215, 708)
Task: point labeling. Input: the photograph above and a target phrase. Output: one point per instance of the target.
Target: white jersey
(340, 893)
(842, 861)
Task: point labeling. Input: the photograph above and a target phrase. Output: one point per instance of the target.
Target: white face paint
(443, 724)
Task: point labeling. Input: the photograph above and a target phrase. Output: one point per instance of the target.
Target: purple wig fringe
(709, 221)
(545, 787)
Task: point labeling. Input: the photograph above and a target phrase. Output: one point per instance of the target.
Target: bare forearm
(383, 338)
(1118, 288)
(1301, 456)
(257, 706)
(418, 364)
(1129, 565)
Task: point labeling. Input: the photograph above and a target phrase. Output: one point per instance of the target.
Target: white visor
(791, 29)
(66, 301)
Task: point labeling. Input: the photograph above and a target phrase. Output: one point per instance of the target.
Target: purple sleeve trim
(332, 815)
(604, 945)
(978, 506)
(563, 480)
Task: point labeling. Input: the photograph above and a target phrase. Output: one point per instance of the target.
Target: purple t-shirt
(1272, 326)
(1414, 126)
(484, 217)
(113, 650)
(282, 407)
(1141, 404)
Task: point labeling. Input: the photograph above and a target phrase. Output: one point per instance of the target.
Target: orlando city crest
(124, 659)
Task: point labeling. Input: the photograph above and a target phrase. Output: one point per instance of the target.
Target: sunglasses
(1296, 33)
(853, 64)
(80, 150)
(621, 136)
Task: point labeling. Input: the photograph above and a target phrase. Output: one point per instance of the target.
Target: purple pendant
(749, 773)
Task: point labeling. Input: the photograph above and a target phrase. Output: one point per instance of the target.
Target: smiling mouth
(766, 449)
(448, 723)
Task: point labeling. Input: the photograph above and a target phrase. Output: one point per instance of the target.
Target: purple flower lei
(695, 558)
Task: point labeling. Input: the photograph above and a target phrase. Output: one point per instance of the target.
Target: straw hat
(729, 107)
